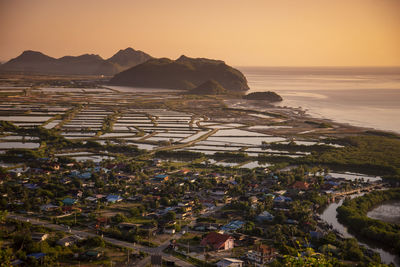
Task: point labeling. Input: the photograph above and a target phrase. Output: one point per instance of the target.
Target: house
(69, 201)
(269, 195)
(253, 199)
(37, 256)
(262, 255)
(66, 241)
(184, 171)
(149, 229)
(169, 230)
(31, 186)
(206, 227)
(190, 179)
(99, 196)
(113, 198)
(159, 178)
(127, 226)
(300, 185)
(282, 199)
(17, 262)
(229, 262)
(68, 209)
(316, 234)
(218, 241)
(39, 236)
(54, 166)
(232, 226)
(218, 192)
(93, 254)
(48, 207)
(85, 175)
(265, 216)
(157, 162)
(91, 199)
(78, 194)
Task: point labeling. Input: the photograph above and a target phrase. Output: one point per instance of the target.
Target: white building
(229, 262)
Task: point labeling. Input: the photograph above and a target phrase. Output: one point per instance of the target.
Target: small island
(268, 96)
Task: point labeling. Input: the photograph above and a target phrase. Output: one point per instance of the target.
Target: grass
(194, 261)
(190, 238)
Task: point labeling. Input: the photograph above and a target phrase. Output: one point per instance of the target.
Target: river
(329, 216)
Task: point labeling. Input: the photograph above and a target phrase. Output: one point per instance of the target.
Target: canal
(329, 216)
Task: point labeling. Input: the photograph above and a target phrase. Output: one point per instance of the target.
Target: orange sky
(251, 32)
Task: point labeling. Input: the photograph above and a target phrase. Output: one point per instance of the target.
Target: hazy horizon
(237, 66)
(261, 33)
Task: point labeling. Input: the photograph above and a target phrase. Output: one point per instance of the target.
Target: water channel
(329, 216)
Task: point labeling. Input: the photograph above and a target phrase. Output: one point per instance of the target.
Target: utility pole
(128, 255)
(204, 253)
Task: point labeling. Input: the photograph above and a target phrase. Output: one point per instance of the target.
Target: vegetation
(379, 155)
(268, 96)
(320, 124)
(209, 87)
(184, 73)
(353, 213)
(180, 154)
(87, 64)
(136, 197)
(365, 154)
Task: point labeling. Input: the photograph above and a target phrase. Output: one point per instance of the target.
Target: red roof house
(300, 185)
(218, 241)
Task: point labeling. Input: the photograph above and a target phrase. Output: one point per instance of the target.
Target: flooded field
(118, 115)
(9, 145)
(387, 212)
(355, 176)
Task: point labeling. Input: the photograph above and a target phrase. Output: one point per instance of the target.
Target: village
(171, 179)
(217, 215)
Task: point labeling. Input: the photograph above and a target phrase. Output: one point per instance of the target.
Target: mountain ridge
(184, 73)
(86, 64)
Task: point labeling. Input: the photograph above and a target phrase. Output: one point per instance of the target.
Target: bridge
(369, 188)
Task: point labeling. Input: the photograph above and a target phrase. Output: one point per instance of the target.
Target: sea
(364, 96)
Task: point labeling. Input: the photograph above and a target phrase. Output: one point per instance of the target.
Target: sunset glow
(258, 32)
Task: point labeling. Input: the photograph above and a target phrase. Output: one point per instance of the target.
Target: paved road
(152, 251)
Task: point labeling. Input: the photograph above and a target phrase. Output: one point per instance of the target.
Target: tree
(3, 215)
(170, 216)
(280, 218)
(119, 218)
(6, 255)
(95, 241)
(134, 212)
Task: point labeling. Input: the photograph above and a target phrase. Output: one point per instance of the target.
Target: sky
(242, 33)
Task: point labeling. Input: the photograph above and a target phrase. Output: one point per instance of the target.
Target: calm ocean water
(368, 97)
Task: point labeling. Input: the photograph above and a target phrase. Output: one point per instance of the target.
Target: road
(152, 251)
(190, 143)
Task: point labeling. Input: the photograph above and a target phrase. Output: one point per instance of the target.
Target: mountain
(30, 60)
(267, 96)
(127, 58)
(184, 73)
(209, 87)
(87, 64)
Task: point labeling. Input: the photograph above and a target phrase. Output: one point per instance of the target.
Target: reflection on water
(329, 216)
(387, 212)
(366, 97)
